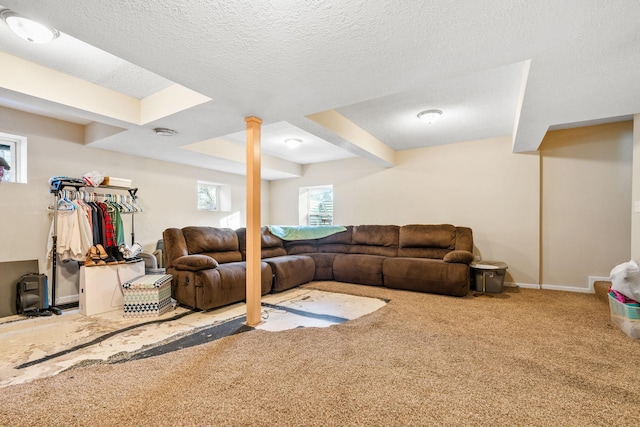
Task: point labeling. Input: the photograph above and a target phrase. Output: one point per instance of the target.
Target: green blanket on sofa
(305, 232)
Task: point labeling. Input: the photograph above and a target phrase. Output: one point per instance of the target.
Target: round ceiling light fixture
(293, 142)
(429, 116)
(164, 132)
(28, 29)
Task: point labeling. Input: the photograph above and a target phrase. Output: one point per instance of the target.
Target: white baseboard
(589, 290)
(522, 285)
(568, 289)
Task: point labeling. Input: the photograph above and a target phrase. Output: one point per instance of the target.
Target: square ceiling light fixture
(27, 29)
(429, 116)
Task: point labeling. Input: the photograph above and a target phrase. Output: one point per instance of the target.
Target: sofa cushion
(339, 248)
(194, 262)
(428, 236)
(426, 275)
(269, 240)
(224, 257)
(462, 257)
(209, 239)
(342, 237)
(391, 251)
(324, 265)
(273, 252)
(270, 245)
(336, 243)
(226, 284)
(300, 247)
(432, 253)
(290, 271)
(375, 235)
(357, 268)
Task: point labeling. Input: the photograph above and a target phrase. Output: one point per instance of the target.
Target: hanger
(126, 201)
(136, 206)
(123, 206)
(64, 204)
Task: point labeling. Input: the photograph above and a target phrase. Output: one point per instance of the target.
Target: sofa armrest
(194, 263)
(460, 257)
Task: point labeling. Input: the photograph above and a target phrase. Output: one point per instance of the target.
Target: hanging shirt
(108, 233)
(119, 228)
(98, 224)
(73, 235)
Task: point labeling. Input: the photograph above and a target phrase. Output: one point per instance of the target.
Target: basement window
(213, 196)
(316, 205)
(13, 149)
(208, 193)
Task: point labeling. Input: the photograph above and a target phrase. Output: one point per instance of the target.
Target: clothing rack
(57, 188)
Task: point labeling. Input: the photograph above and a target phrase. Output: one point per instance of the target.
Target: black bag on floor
(32, 294)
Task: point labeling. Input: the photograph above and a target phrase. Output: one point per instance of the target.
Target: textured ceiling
(476, 106)
(77, 58)
(500, 69)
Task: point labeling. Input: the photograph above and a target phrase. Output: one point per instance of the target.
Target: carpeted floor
(524, 357)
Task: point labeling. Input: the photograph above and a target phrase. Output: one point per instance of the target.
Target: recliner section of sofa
(209, 269)
(289, 271)
(370, 246)
(431, 258)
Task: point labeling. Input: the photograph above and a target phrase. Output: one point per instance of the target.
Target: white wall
(167, 191)
(480, 184)
(586, 203)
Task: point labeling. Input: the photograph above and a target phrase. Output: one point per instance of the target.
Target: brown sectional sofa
(208, 266)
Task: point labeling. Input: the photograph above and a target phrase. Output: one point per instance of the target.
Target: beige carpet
(524, 357)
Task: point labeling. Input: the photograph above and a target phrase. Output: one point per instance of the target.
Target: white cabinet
(100, 286)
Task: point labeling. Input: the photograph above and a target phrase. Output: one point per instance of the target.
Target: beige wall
(479, 184)
(586, 196)
(555, 217)
(586, 202)
(635, 190)
(167, 191)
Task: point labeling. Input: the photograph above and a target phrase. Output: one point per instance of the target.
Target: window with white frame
(316, 205)
(208, 196)
(13, 151)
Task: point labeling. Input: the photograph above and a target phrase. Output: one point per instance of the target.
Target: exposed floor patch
(38, 347)
(317, 316)
(212, 333)
(97, 340)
